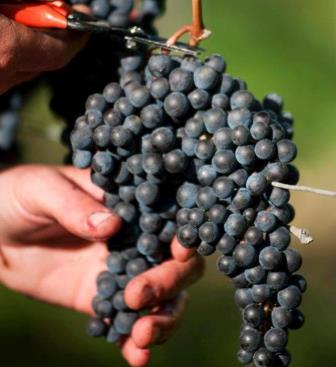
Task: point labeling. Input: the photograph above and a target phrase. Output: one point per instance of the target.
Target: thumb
(47, 194)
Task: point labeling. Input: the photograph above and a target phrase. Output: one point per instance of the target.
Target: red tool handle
(38, 15)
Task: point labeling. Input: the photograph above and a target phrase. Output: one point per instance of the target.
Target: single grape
(235, 225)
(224, 161)
(226, 244)
(270, 258)
(206, 197)
(293, 260)
(208, 232)
(222, 138)
(205, 77)
(255, 275)
(176, 104)
(223, 187)
(194, 127)
(275, 340)
(217, 214)
(277, 280)
(226, 265)
(124, 322)
(136, 266)
(214, 119)
(263, 358)
(280, 238)
(266, 221)
(243, 297)
(250, 340)
(96, 327)
(253, 315)
(205, 249)
(261, 293)
(290, 297)
(181, 80)
(281, 317)
(187, 194)
(187, 235)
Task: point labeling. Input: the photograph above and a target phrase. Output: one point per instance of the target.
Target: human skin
(26, 52)
(53, 228)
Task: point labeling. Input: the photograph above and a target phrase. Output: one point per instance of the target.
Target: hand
(52, 231)
(26, 52)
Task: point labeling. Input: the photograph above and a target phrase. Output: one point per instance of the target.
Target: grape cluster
(178, 144)
(10, 105)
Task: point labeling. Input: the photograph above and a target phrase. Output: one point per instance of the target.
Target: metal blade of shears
(133, 36)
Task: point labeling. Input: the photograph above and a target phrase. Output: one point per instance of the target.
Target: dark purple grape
(226, 244)
(275, 340)
(253, 315)
(96, 327)
(250, 340)
(205, 77)
(290, 297)
(226, 265)
(263, 358)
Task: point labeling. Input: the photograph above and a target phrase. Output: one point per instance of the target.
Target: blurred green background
(278, 45)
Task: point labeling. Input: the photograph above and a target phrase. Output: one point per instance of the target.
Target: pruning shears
(56, 14)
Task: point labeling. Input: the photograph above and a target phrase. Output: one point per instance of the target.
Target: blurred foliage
(279, 45)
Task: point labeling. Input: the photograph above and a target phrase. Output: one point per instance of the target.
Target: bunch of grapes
(10, 105)
(178, 131)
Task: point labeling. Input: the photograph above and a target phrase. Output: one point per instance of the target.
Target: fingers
(153, 329)
(158, 326)
(51, 196)
(181, 253)
(135, 356)
(162, 282)
(25, 49)
(81, 177)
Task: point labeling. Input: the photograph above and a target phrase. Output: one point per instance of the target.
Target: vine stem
(197, 30)
(304, 189)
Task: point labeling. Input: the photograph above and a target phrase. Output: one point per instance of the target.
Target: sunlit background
(275, 45)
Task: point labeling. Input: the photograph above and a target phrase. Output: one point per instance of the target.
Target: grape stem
(197, 30)
(302, 234)
(304, 189)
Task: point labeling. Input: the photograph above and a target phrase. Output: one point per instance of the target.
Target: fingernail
(148, 296)
(96, 219)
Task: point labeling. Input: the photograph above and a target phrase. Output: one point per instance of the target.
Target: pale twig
(302, 234)
(304, 189)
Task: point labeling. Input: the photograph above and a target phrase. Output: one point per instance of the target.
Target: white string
(304, 189)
